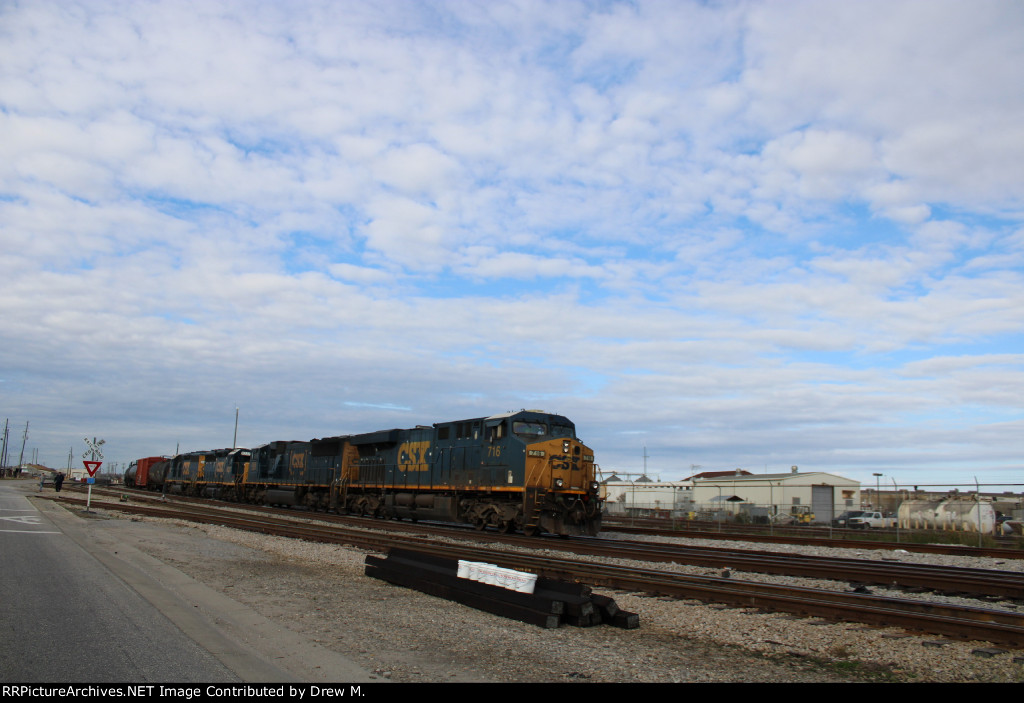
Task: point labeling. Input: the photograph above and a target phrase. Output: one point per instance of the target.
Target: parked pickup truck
(845, 516)
(871, 519)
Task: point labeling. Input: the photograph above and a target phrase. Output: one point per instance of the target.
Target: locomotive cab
(560, 478)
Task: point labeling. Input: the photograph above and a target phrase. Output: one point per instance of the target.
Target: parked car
(843, 518)
(871, 519)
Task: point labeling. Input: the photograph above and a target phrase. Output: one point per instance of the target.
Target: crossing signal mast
(93, 465)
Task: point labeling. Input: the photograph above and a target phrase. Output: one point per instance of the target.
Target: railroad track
(781, 536)
(972, 623)
(845, 541)
(857, 572)
(942, 579)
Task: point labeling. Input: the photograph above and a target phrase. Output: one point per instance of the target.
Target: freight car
(523, 470)
(146, 473)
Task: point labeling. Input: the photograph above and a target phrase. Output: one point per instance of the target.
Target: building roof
(711, 478)
(719, 474)
(787, 476)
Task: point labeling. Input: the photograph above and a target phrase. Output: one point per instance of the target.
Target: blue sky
(738, 234)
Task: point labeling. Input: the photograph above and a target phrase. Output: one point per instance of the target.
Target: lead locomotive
(525, 471)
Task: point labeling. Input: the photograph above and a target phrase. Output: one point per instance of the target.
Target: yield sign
(92, 466)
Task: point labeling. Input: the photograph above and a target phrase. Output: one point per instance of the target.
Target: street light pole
(878, 498)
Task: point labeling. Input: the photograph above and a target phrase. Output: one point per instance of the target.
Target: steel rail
(695, 530)
(944, 579)
(821, 541)
(952, 621)
(960, 622)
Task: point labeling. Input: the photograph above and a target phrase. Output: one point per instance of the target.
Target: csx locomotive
(523, 470)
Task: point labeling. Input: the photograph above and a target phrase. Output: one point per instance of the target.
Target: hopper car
(520, 471)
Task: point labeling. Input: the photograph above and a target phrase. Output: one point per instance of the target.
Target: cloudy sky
(726, 234)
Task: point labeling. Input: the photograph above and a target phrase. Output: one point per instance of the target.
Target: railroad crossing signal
(94, 448)
(92, 466)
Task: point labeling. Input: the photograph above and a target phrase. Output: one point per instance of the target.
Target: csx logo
(412, 456)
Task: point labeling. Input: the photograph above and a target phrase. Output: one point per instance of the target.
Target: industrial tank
(959, 514)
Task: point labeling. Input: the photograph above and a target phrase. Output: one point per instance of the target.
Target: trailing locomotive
(524, 470)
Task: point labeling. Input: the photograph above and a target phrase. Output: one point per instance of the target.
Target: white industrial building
(648, 497)
(736, 495)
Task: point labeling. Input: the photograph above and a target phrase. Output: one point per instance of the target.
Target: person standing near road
(58, 480)
(42, 481)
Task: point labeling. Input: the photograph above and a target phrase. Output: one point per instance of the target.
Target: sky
(715, 235)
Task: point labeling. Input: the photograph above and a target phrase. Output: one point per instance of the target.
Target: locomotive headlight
(565, 446)
(559, 483)
(594, 485)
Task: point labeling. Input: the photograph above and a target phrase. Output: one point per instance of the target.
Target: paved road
(66, 617)
(80, 603)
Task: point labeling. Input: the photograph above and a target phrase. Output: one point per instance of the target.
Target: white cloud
(418, 170)
(753, 232)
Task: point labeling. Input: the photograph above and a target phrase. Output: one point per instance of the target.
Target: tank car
(146, 473)
(957, 513)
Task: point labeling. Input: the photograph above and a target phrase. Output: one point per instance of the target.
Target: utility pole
(24, 438)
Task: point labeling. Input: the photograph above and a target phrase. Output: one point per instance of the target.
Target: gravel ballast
(321, 592)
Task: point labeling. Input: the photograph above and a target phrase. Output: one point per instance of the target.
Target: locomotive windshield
(563, 431)
(530, 429)
(541, 429)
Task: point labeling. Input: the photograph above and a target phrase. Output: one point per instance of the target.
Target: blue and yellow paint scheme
(525, 471)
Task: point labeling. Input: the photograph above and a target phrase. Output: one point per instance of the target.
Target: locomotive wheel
(531, 530)
(479, 524)
(507, 527)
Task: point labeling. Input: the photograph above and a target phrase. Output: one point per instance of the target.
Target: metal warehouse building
(736, 495)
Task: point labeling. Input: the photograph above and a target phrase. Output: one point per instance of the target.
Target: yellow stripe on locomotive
(522, 470)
